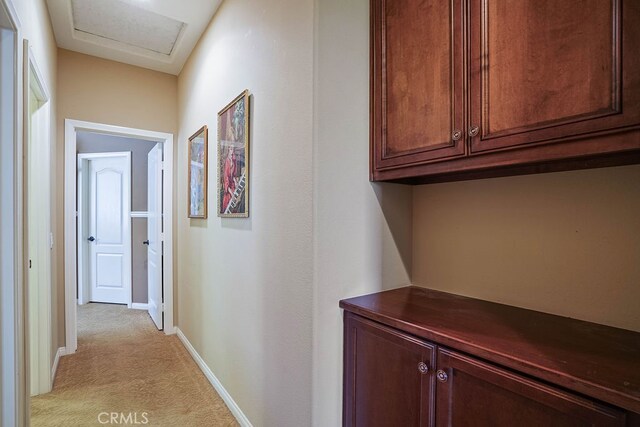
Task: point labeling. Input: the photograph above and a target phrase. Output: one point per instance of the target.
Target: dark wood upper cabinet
(545, 70)
(472, 88)
(418, 67)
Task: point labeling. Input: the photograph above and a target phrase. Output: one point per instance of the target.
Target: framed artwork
(233, 158)
(198, 173)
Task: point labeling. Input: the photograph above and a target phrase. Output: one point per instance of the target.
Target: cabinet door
(387, 377)
(546, 71)
(473, 393)
(416, 81)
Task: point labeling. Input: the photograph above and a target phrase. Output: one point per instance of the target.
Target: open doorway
(116, 266)
(118, 226)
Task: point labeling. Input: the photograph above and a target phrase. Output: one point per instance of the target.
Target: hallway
(124, 365)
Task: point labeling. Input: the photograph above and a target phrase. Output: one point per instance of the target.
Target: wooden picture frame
(233, 158)
(197, 171)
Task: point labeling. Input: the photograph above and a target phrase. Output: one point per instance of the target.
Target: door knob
(442, 376)
(91, 238)
(146, 242)
(473, 131)
(456, 135)
(423, 368)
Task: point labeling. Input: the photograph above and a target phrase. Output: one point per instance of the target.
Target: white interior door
(154, 235)
(38, 217)
(109, 237)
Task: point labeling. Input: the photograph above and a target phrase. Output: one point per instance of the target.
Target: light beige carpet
(125, 366)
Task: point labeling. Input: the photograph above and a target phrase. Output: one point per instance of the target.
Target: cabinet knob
(473, 130)
(442, 376)
(423, 368)
(456, 135)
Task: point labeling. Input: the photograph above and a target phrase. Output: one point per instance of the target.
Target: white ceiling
(155, 34)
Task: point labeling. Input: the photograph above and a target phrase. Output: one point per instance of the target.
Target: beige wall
(362, 231)
(99, 90)
(102, 91)
(565, 243)
(245, 285)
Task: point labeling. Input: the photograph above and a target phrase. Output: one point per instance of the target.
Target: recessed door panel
(419, 107)
(555, 68)
(109, 220)
(546, 70)
(109, 271)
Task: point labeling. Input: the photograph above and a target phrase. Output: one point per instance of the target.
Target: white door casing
(154, 235)
(109, 237)
(71, 128)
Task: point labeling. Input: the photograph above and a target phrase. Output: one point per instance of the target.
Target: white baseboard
(139, 306)
(233, 406)
(61, 352)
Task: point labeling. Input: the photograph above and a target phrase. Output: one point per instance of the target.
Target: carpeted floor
(126, 368)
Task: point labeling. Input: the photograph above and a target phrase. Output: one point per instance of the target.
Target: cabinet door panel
(479, 394)
(417, 71)
(383, 386)
(543, 70)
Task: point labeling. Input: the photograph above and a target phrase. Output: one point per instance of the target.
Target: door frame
(13, 385)
(41, 314)
(71, 127)
(84, 280)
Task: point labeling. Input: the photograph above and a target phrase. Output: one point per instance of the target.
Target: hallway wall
(103, 91)
(36, 27)
(245, 285)
(253, 288)
(362, 230)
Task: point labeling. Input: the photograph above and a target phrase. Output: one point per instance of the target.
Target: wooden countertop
(596, 360)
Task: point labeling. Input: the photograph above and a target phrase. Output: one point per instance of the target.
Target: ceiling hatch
(124, 23)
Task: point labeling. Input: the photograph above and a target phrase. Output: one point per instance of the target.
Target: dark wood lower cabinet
(388, 375)
(414, 357)
(473, 393)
